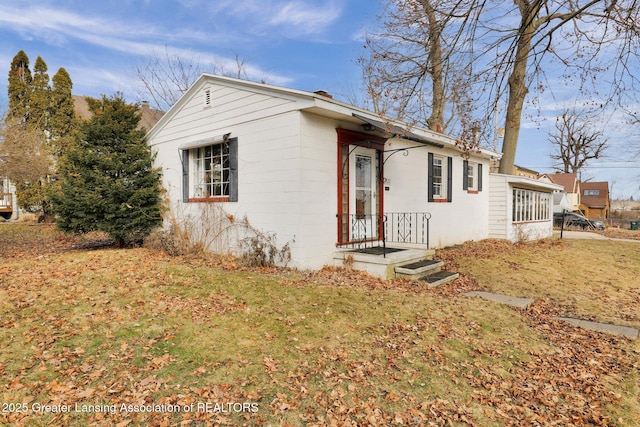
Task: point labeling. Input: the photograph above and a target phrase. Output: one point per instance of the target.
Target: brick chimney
(323, 93)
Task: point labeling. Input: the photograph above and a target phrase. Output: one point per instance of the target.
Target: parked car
(575, 220)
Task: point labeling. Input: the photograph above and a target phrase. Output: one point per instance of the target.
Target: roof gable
(568, 180)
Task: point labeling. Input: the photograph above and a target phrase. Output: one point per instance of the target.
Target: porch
(392, 245)
(361, 231)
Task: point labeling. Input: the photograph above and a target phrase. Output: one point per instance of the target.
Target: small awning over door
(397, 132)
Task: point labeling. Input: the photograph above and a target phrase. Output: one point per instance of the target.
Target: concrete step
(440, 278)
(380, 265)
(416, 270)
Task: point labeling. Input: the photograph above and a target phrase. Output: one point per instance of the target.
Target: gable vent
(207, 97)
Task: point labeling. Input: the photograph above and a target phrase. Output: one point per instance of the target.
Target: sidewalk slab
(602, 327)
(503, 299)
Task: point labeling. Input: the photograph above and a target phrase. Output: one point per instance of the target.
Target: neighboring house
(8, 200)
(321, 175)
(526, 172)
(517, 170)
(595, 199)
(148, 115)
(571, 186)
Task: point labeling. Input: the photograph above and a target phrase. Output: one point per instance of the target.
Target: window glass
(437, 177)
(530, 205)
(211, 170)
(470, 181)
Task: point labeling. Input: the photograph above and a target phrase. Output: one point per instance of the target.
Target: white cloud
(62, 28)
(290, 18)
(305, 18)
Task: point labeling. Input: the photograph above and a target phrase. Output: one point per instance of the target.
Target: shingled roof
(149, 116)
(568, 180)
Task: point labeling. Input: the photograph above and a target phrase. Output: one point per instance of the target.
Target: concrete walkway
(588, 235)
(602, 327)
(518, 302)
(502, 299)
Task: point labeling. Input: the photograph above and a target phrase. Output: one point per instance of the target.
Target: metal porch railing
(366, 231)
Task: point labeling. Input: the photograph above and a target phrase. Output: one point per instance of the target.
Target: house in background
(595, 199)
(148, 116)
(8, 201)
(322, 176)
(571, 187)
(517, 170)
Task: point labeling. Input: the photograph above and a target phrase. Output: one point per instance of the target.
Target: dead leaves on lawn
(568, 381)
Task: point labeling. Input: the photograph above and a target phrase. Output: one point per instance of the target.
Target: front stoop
(378, 265)
(416, 264)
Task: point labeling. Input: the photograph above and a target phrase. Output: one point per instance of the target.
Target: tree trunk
(436, 120)
(517, 86)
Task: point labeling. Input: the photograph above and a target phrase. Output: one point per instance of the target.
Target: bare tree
(406, 68)
(27, 160)
(576, 141)
(166, 76)
(584, 40)
(502, 50)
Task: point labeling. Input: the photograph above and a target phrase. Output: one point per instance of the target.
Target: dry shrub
(213, 230)
(261, 250)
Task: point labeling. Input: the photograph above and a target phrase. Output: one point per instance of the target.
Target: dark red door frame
(346, 138)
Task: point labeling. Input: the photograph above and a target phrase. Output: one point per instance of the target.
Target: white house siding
(500, 212)
(268, 132)
(464, 218)
(318, 192)
(288, 168)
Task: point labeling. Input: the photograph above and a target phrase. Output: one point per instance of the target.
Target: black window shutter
(449, 179)
(479, 177)
(430, 178)
(185, 176)
(465, 175)
(233, 170)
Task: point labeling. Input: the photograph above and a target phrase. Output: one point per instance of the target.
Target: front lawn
(135, 337)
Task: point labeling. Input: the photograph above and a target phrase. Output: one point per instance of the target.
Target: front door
(359, 199)
(363, 203)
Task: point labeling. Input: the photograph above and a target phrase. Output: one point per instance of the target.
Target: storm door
(363, 203)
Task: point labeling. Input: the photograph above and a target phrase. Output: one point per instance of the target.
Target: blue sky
(301, 44)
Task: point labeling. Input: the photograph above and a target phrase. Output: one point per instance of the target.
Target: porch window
(210, 172)
(439, 178)
(530, 206)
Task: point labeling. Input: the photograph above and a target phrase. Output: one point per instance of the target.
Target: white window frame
(210, 171)
(472, 182)
(442, 178)
(530, 206)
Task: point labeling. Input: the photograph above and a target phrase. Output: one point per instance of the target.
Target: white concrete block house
(321, 174)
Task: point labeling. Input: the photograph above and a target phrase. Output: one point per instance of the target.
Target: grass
(590, 279)
(278, 347)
